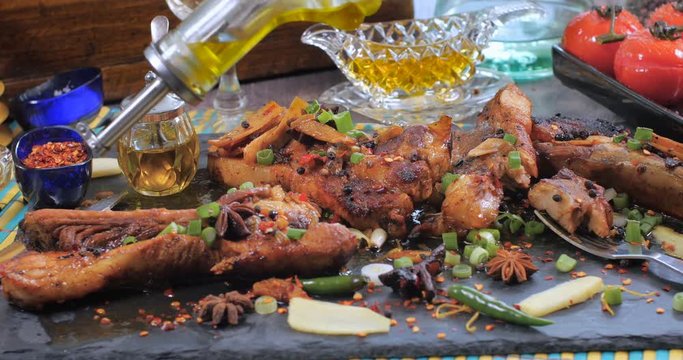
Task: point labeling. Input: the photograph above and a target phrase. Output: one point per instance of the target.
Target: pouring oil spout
(325, 37)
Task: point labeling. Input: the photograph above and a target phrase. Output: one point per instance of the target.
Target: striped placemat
(208, 121)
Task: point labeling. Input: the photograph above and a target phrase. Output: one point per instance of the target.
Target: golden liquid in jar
(412, 76)
(159, 172)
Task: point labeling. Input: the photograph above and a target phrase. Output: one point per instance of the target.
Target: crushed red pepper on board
(56, 154)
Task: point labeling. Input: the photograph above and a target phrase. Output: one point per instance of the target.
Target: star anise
(511, 266)
(224, 308)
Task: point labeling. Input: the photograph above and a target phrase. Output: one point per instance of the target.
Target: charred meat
(572, 201)
(257, 247)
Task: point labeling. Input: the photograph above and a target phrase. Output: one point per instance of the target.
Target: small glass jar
(160, 154)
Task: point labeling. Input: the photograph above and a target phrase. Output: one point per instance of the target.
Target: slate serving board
(70, 331)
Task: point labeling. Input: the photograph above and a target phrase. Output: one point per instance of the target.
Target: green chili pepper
(333, 285)
(492, 307)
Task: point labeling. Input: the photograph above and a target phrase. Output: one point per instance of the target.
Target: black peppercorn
(245, 124)
(331, 155)
(272, 214)
(588, 184)
(300, 170)
(347, 189)
(557, 198)
(592, 193)
(257, 209)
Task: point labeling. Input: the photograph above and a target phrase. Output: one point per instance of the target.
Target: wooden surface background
(39, 38)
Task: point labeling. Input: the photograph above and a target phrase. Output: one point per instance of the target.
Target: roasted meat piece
(645, 177)
(572, 200)
(262, 250)
(562, 128)
(480, 158)
(56, 229)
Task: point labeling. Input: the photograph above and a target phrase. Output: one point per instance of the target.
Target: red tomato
(669, 13)
(580, 37)
(651, 67)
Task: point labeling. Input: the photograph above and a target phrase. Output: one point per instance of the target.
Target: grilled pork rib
(572, 200)
(480, 158)
(261, 250)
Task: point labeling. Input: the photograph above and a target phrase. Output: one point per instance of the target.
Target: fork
(610, 249)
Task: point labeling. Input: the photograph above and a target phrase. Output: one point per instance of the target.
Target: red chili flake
(169, 293)
(549, 277)
(549, 252)
(303, 197)
(264, 226)
(490, 327)
(622, 271)
(144, 333)
(56, 154)
(141, 312)
(516, 306)
(667, 288)
(547, 260)
(155, 321)
(105, 321)
(609, 266)
(167, 326)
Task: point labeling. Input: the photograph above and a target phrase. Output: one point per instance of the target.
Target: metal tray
(631, 106)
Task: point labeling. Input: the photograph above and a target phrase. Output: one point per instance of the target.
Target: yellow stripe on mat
(594, 355)
(649, 355)
(12, 251)
(567, 356)
(485, 357)
(11, 211)
(8, 240)
(676, 354)
(541, 356)
(621, 355)
(461, 357)
(9, 195)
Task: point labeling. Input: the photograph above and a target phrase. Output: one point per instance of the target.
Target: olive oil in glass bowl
(160, 154)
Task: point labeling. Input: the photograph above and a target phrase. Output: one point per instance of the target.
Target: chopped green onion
(129, 240)
(171, 228)
(486, 238)
(319, 153)
(402, 262)
(514, 223)
(211, 209)
(232, 190)
(343, 122)
(355, 134)
(447, 179)
(643, 134)
(494, 232)
(265, 305)
(313, 107)
(247, 185)
(612, 295)
(652, 220)
(678, 302)
(182, 229)
(514, 160)
(462, 271)
(565, 263)
(452, 258)
(209, 236)
(467, 250)
(450, 240)
(472, 236)
(620, 201)
(478, 256)
(634, 215)
(633, 232)
(633, 144)
(194, 228)
(295, 234)
(492, 249)
(532, 228)
(356, 158)
(265, 157)
(645, 228)
(325, 117)
(510, 138)
(619, 138)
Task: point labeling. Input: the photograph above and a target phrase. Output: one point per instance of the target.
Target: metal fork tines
(611, 249)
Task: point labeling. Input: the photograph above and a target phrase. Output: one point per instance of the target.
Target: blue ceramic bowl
(68, 97)
(60, 187)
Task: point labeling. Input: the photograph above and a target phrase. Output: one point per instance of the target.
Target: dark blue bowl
(66, 98)
(60, 187)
